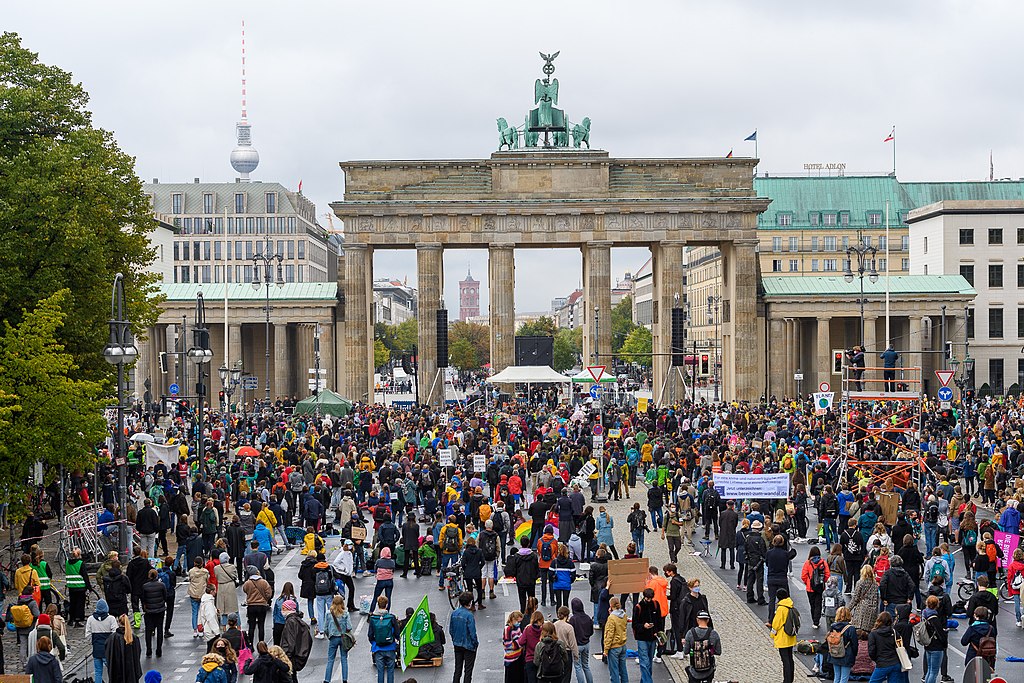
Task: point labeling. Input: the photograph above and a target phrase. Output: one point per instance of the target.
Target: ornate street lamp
(120, 351)
(865, 263)
(267, 259)
(201, 355)
(229, 379)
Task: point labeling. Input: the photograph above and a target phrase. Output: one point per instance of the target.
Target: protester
(462, 629)
(122, 653)
(701, 644)
(43, 667)
(782, 638)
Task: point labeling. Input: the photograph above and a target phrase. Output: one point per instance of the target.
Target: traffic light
(406, 365)
(705, 364)
(163, 362)
(678, 337)
(837, 362)
(442, 337)
(220, 395)
(949, 350)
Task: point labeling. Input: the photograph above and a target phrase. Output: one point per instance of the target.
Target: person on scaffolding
(855, 356)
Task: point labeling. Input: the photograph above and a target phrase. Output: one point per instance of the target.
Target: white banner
(444, 457)
(479, 463)
(156, 452)
(752, 485)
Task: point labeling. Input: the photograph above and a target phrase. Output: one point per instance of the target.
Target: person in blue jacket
(462, 629)
(261, 534)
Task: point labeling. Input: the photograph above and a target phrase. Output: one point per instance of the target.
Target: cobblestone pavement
(747, 651)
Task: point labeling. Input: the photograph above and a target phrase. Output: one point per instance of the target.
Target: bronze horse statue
(507, 135)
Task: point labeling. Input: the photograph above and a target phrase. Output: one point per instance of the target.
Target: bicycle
(966, 588)
(455, 583)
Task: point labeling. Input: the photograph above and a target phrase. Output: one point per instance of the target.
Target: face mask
(695, 590)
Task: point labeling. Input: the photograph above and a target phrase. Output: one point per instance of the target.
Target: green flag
(418, 631)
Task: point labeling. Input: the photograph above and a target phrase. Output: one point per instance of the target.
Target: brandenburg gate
(548, 194)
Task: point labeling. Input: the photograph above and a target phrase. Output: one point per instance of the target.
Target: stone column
(235, 344)
(429, 276)
(143, 367)
(914, 377)
(597, 293)
(501, 269)
(667, 270)
(871, 351)
(358, 322)
(792, 355)
(327, 354)
(777, 354)
(741, 365)
(824, 355)
(282, 386)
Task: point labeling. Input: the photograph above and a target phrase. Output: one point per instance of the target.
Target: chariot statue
(546, 119)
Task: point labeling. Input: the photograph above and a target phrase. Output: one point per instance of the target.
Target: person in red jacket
(815, 575)
(1015, 575)
(547, 551)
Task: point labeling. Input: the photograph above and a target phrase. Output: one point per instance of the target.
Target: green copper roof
(291, 291)
(859, 196)
(836, 285)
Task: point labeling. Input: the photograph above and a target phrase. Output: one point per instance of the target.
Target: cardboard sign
(358, 533)
(479, 462)
(444, 457)
(888, 504)
(641, 405)
(628, 576)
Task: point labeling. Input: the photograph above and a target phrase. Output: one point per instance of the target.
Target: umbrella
(247, 452)
(523, 530)
(142, 437)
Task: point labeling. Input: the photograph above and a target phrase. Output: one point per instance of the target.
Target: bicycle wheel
(453, 592)
(1004, 592)
(965, 591)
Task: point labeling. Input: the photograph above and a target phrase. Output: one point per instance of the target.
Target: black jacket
(646, 612)
(913, 562)
(116, 589)
(154, 597)
(307, 575)
(778, 560)
(267, 669)
(896, 587)
(410, 533)
(677, 590)
(689, 609)
(296, 641)
(526, 568)
(854, 547)
(754, 550)
(598, 578)
(236, 540)
(882, 647)
(472, 562)
(124, 660)
(850, 639)
(147, 521)
(137, 572)
(44, 668)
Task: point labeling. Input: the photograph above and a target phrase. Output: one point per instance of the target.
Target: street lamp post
(267, 259)
(120, 351)
(862, 252)
(714, 316)
(229, 379)
(316, 367)
(201, 354)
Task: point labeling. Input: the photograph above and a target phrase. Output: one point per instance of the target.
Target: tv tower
(244, 158)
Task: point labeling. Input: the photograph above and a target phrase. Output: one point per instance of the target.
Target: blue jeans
(646, 649)
(323, 603)
(334, 649)
(828, 527)
(445, 561)
(97, 670)
(891, 674)
(617, 665)
(638, 538)
(180, 557)
(841, 674)
(933, 662)
(582, 667)
(195, 612)
(931, 537)
(384, 660)
(382, 587)
(657, 518)
(1016, 606)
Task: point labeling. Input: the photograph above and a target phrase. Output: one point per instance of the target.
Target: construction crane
(330, 221)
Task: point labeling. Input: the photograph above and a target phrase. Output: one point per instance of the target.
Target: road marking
(504, 589)
(359, 627)
(182, 669)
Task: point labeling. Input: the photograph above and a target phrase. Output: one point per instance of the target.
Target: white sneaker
(679, 655)
(319, 636)
(1020, 624)
(657, 660)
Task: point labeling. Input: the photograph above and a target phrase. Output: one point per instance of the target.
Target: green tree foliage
(478, 336)
(637, 347)
(543, 326)
(622, 323)
(72, 210)
(44, 413)
(462, 355)
(568, 348)
(381, 354)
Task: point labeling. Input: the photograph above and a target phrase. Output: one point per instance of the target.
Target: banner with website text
(752, 485)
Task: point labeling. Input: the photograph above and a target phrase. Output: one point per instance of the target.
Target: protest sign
(1007, 543)
(628, 576)
(444, 457)
(752, 485)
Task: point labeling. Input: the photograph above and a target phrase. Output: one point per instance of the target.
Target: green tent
(326, 402)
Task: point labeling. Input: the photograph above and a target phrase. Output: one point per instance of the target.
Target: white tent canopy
(528, 374)
(585, 377)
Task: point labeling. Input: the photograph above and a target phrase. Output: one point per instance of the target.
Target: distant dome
(245, 159)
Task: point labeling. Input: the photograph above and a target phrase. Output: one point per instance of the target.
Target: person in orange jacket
(547, 551)
(815, 575)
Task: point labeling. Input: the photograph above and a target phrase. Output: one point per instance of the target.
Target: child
(59, 631)
(882, 563)
(312, 544)
(428, 557)
(833, 599)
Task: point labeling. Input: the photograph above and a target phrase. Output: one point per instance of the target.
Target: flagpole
(227, 334)
(894, 151)
(888, 338)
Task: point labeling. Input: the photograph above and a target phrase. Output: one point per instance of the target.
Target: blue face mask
(695, 590)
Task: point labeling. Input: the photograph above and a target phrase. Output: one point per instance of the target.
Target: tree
(477, 335)
(622, 322)
(45, 414)
(637, 347)
(72, 214)
(381, 354)
(568, 348)
(462, 355)
(543, 326)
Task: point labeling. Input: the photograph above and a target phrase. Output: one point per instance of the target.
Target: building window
(828, 219)
(1020, 235)
(995, 275)
(248, 251)
(777, 265)
(259, 224)
(966, 235)
(814, 265)
(830, 243)
(875, 218)
(185, 274)
(794, 244)
(844, 219)
(813, 218)
(1020, 275)
(776, 244)
(967, 271)
(1020, 371)
(291, 223)
(829, 264)
(995, 235)
(905, 243)
(291, 249)
(883, 243)
(926, 269)
(866, 239)
(1020, 323)
(905, 264)
(197, 251)
(794, 265)
(176, 257)
(271, 224)
(926, 244)
(302, 273)
(784, 219)
(207, 202)
(995, 375)
(176, 203)
(218, 250)
(995, 323)
(289, 273)
(238, 250)
(883, 265)
(814, 244)
(239, 202)
(271, 202)
(970, 323)
(206, 273)
(302, 249)
(220, 225)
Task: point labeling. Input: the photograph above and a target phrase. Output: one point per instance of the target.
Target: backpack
(21, 615)
(451, 540)
(425, 479)
(383, 626)
(787, 462)
(923, 633)
(1018, 581)
(818, 576)
(324, 582)
(489, 546)
(971, 537)
(932, 514)
(701, 657)
(551, 665)
(987, 646)
(165, 579)
(546, 552)
(991, 552)
(792, 624)
(498, 522)
(938, 569)
(836, 643)
(379, 513)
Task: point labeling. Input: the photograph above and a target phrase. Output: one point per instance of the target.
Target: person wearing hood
(258, 594)
(227, 577)
(25, 621)
(896, 587)
(98, 628)
(583, 629)
(43, 666)
(123, 652)
(209, 619)
(198, 577)
(265, 668)
(783, 642)
(264, 539)
(211, 669)
(307, 584)
(815, 575)
(525, 567)
(384, 570)
(982, 626)
(116, 589)
(614, 641)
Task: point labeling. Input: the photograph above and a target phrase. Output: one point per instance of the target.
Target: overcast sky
(333, 80)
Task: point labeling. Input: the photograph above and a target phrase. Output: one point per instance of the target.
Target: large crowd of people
(384, 490)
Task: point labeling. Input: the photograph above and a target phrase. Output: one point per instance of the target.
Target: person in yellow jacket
(614, 639)
(25, 574)
(783, 642)
(268, 518)
(312, 543)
